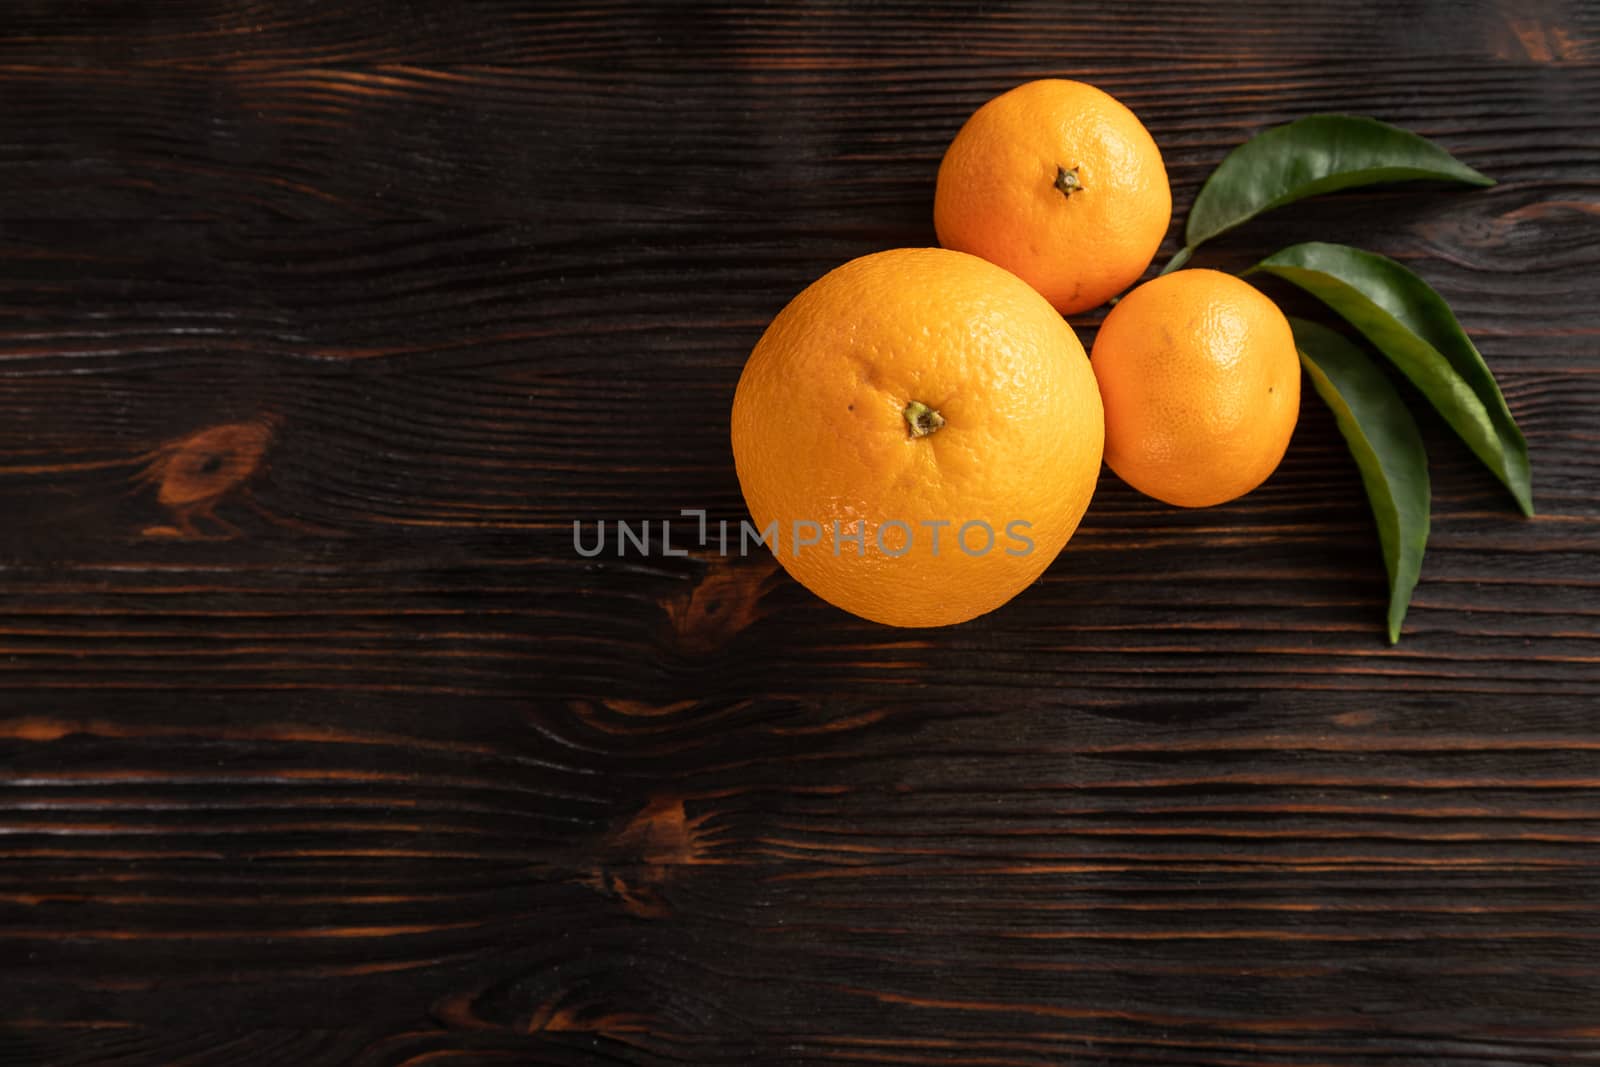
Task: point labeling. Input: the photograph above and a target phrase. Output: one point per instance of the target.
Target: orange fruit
(1060, 184)
(1201, 385)
(933, 405)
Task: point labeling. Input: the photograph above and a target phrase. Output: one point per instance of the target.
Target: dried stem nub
(922, 419)
(1067, 181)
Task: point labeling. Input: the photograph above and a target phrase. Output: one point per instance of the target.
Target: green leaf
(1179, 258)
(1314, 155)
(1387, 447)
(1412, 325)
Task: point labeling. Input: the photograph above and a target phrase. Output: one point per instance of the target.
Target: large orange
(1060, 184)
(1201, 385)
(905, 390)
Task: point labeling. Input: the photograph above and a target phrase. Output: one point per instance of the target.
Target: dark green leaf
(1314, 155)
(1413, 326)
(1179, 258)
(1387, 448)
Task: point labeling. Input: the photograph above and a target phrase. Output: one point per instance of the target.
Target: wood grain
(319, 744)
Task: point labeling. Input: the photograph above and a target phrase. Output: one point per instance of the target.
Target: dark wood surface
(319, 324)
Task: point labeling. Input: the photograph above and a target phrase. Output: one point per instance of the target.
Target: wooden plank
(852, 148)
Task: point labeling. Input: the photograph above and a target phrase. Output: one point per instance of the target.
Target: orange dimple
(1059, 183)
(820, 434)
(1201, 385)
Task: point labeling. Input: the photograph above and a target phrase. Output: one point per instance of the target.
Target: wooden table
(319, 326)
